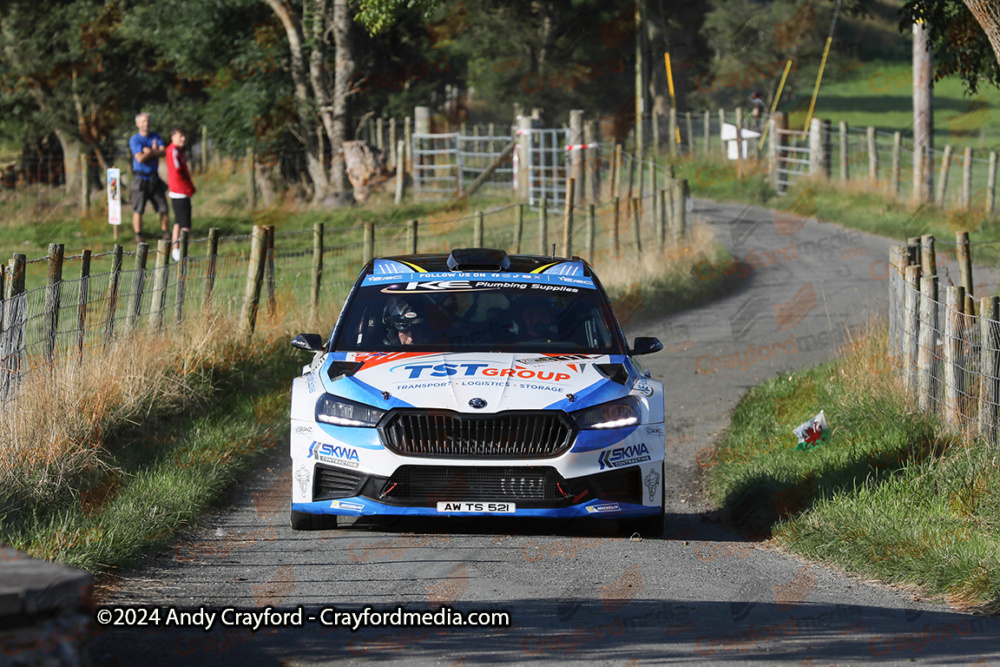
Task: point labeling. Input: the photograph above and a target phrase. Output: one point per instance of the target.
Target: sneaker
(139, 238)
(176, 253)
(166, 236)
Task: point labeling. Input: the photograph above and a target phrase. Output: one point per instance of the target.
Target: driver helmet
(402, 314)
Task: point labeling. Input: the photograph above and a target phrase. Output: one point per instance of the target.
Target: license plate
(476, 507)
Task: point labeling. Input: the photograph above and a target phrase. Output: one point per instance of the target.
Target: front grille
(428, 485)
(520, 435)
(329, 483)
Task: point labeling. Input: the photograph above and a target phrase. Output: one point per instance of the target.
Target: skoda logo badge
(477, 403)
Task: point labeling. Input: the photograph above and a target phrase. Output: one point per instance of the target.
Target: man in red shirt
(180, 186)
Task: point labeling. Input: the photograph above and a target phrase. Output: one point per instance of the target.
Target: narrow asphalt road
(702, 594)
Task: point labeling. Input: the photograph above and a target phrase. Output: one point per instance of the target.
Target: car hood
(493, 381)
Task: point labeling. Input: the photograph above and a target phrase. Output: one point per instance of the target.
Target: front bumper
(358, 506)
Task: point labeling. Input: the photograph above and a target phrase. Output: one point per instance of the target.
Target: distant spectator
(181, 187)
(146, 148)
(759, 109)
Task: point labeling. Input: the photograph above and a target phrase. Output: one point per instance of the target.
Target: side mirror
(644, 345)
(310, 342)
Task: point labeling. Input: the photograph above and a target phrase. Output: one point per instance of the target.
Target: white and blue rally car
(477, 384)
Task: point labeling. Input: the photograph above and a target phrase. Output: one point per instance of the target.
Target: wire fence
(946, 343)
(61, 318)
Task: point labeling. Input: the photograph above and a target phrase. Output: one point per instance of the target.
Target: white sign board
(114, 197)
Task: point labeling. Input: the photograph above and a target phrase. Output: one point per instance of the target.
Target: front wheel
(307, 521)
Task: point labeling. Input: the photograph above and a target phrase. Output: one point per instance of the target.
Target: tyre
(307, 521)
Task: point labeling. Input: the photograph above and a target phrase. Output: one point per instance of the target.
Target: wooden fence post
(212, 257)
(251, 187)
(672, 131)
(393, 147)
(616, 169)
(942, 190)
(477, 230)
(113, 287)
(368, 246)
(272, 303)
(897, 144)
(407, 158)
(255, 277)
(15, 312)
(926, 358)
(966, 178)
(412, 236)
(635, 225)
(911, 327)
(928, 258)
(592, 163)
(681, 196)
(518, 227)
(81, 302)
(897, 296)
(913, 249)
(204, 149)
(182, 271)
(615, 224)
(689, 144)
(138, 284)
(722, 123)
(543, 226)
(53, 291)
(955, 302)
(964, 260)
(872, 156)
(989, 366)
(845, 169)
(400, 174)
(661, 217)
(317, 270)
(991, 184)
(706, 133)
(160, 276)
(567, 240)
(591, 230)
(919, 193)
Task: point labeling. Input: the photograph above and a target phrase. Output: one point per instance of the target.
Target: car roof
(436, 262)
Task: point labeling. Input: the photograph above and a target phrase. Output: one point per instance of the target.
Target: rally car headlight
(341, 412)
(613, 414)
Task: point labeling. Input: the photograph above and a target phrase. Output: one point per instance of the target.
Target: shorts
(149, 189)
(182, 212)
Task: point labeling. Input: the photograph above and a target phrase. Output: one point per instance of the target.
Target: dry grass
(52, 440)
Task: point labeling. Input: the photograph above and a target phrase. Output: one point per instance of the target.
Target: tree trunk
(923, 112)
(343, 71)
(987, 13)
(72, 149)
(303, 103)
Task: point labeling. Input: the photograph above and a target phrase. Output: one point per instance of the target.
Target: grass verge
(892, 495)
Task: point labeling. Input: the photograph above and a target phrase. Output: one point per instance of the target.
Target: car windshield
(439, 312)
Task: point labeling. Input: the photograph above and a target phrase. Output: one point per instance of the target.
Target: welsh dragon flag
(813, 433)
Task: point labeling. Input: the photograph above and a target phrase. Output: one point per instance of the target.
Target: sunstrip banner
(114, 197)
(463, 281)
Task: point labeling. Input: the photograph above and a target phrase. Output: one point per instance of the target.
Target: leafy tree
(68, 68)
(965, 38)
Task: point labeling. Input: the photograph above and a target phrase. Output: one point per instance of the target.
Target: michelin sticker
(652, 482)
(620, 457)
(343, 505)
(600, 509)
(302, 475)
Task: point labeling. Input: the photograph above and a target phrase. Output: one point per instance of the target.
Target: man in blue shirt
(146, 148)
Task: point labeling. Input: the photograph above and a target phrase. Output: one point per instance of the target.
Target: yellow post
(774, 105)
(819, 78)
(670, 87)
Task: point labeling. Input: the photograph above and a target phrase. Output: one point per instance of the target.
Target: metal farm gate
(445, 164)
(792, 157)
(547, 164)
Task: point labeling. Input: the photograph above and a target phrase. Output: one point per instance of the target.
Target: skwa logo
(347, 456)
(624, 456)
